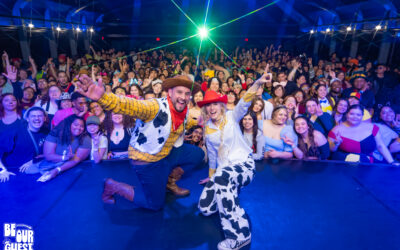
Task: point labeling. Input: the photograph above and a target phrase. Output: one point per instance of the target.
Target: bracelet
(58, 169)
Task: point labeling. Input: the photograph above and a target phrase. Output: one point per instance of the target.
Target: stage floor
(291, 205)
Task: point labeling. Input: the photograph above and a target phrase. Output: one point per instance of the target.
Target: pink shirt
(60, 115)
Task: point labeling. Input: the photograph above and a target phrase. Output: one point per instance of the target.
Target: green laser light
(203, 33)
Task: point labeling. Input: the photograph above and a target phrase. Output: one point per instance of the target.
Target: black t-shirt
(19, 147)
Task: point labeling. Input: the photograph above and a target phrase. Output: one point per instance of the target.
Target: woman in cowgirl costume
(231, 164)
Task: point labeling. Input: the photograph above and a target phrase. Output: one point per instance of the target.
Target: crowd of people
(345, 109)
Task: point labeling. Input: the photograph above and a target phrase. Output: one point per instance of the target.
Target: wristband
(58, 169)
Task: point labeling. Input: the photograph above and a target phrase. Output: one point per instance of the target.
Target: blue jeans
(153, 177)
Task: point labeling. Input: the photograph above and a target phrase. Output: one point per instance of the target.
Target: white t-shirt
(53, 108)
(103, 143)
(267, 112)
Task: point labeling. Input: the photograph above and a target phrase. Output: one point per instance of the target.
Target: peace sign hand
(287, 140)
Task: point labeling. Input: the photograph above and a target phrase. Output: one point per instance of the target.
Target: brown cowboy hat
(180, 81)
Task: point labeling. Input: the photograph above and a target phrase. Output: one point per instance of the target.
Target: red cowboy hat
(212, 97)
(180, 81)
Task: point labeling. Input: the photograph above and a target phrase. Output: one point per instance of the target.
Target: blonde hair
(223, 118)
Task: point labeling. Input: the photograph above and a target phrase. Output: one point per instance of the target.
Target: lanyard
(34, 142)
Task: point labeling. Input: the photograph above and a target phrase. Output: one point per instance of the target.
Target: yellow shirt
(145, 110)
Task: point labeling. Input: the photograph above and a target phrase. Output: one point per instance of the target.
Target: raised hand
(89, 88)
(264, 78)
(11, 73)
(332, 74)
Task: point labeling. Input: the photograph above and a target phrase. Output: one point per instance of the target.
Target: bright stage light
(312, 31)
(328, 30)
(91, 30)
(348, 28)
(378, 27)
(78, 29)
(58, 29)
(203, 32)
(31, 25)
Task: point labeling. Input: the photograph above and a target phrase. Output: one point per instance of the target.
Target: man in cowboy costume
(156, 147)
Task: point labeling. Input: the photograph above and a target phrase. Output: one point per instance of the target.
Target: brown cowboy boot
(175, 176)
(112, 187)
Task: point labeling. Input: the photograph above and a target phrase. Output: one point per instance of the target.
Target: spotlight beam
(205, 18)
(245, 15)
(186, 15)
(168, 44)
(198, 56)
(218, 47)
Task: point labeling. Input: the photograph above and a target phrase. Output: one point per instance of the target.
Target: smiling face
(180, 97)
(92, 128)
(387, 114)
(77, 127)
(342, 107)
(321, 92)
(54, 93)
(280, 116)
(134, 90)
(214, 111)
(301, 126)
(354, 116)
(198, 97)
(9, 103)
(65, 104)
(96, 109)
(28, 94)
(278, 91)
(157, 88)
(290, 103)
(197, 135)
(231, 97)
(258, 105)
(311, 107)
(214, 86)
(36, 119)
(117, 118)
(248, 122)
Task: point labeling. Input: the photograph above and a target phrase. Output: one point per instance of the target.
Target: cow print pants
(221, 194)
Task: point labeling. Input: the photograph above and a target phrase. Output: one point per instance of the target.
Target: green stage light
(203, 33)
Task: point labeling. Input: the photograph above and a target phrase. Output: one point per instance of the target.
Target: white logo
(18, 237)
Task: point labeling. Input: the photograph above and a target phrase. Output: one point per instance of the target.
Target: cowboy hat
(212, 97)
(180, 81)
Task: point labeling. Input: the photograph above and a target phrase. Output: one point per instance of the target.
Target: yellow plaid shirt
(145, 110)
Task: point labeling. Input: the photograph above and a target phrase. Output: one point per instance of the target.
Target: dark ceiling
(141, 18)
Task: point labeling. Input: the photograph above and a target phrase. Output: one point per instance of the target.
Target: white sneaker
(230, 244)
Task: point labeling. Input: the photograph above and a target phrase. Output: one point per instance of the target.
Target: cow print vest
(150, 137)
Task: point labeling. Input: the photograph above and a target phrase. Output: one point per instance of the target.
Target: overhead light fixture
(30, 25)
(378, 27)
(348, 28)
